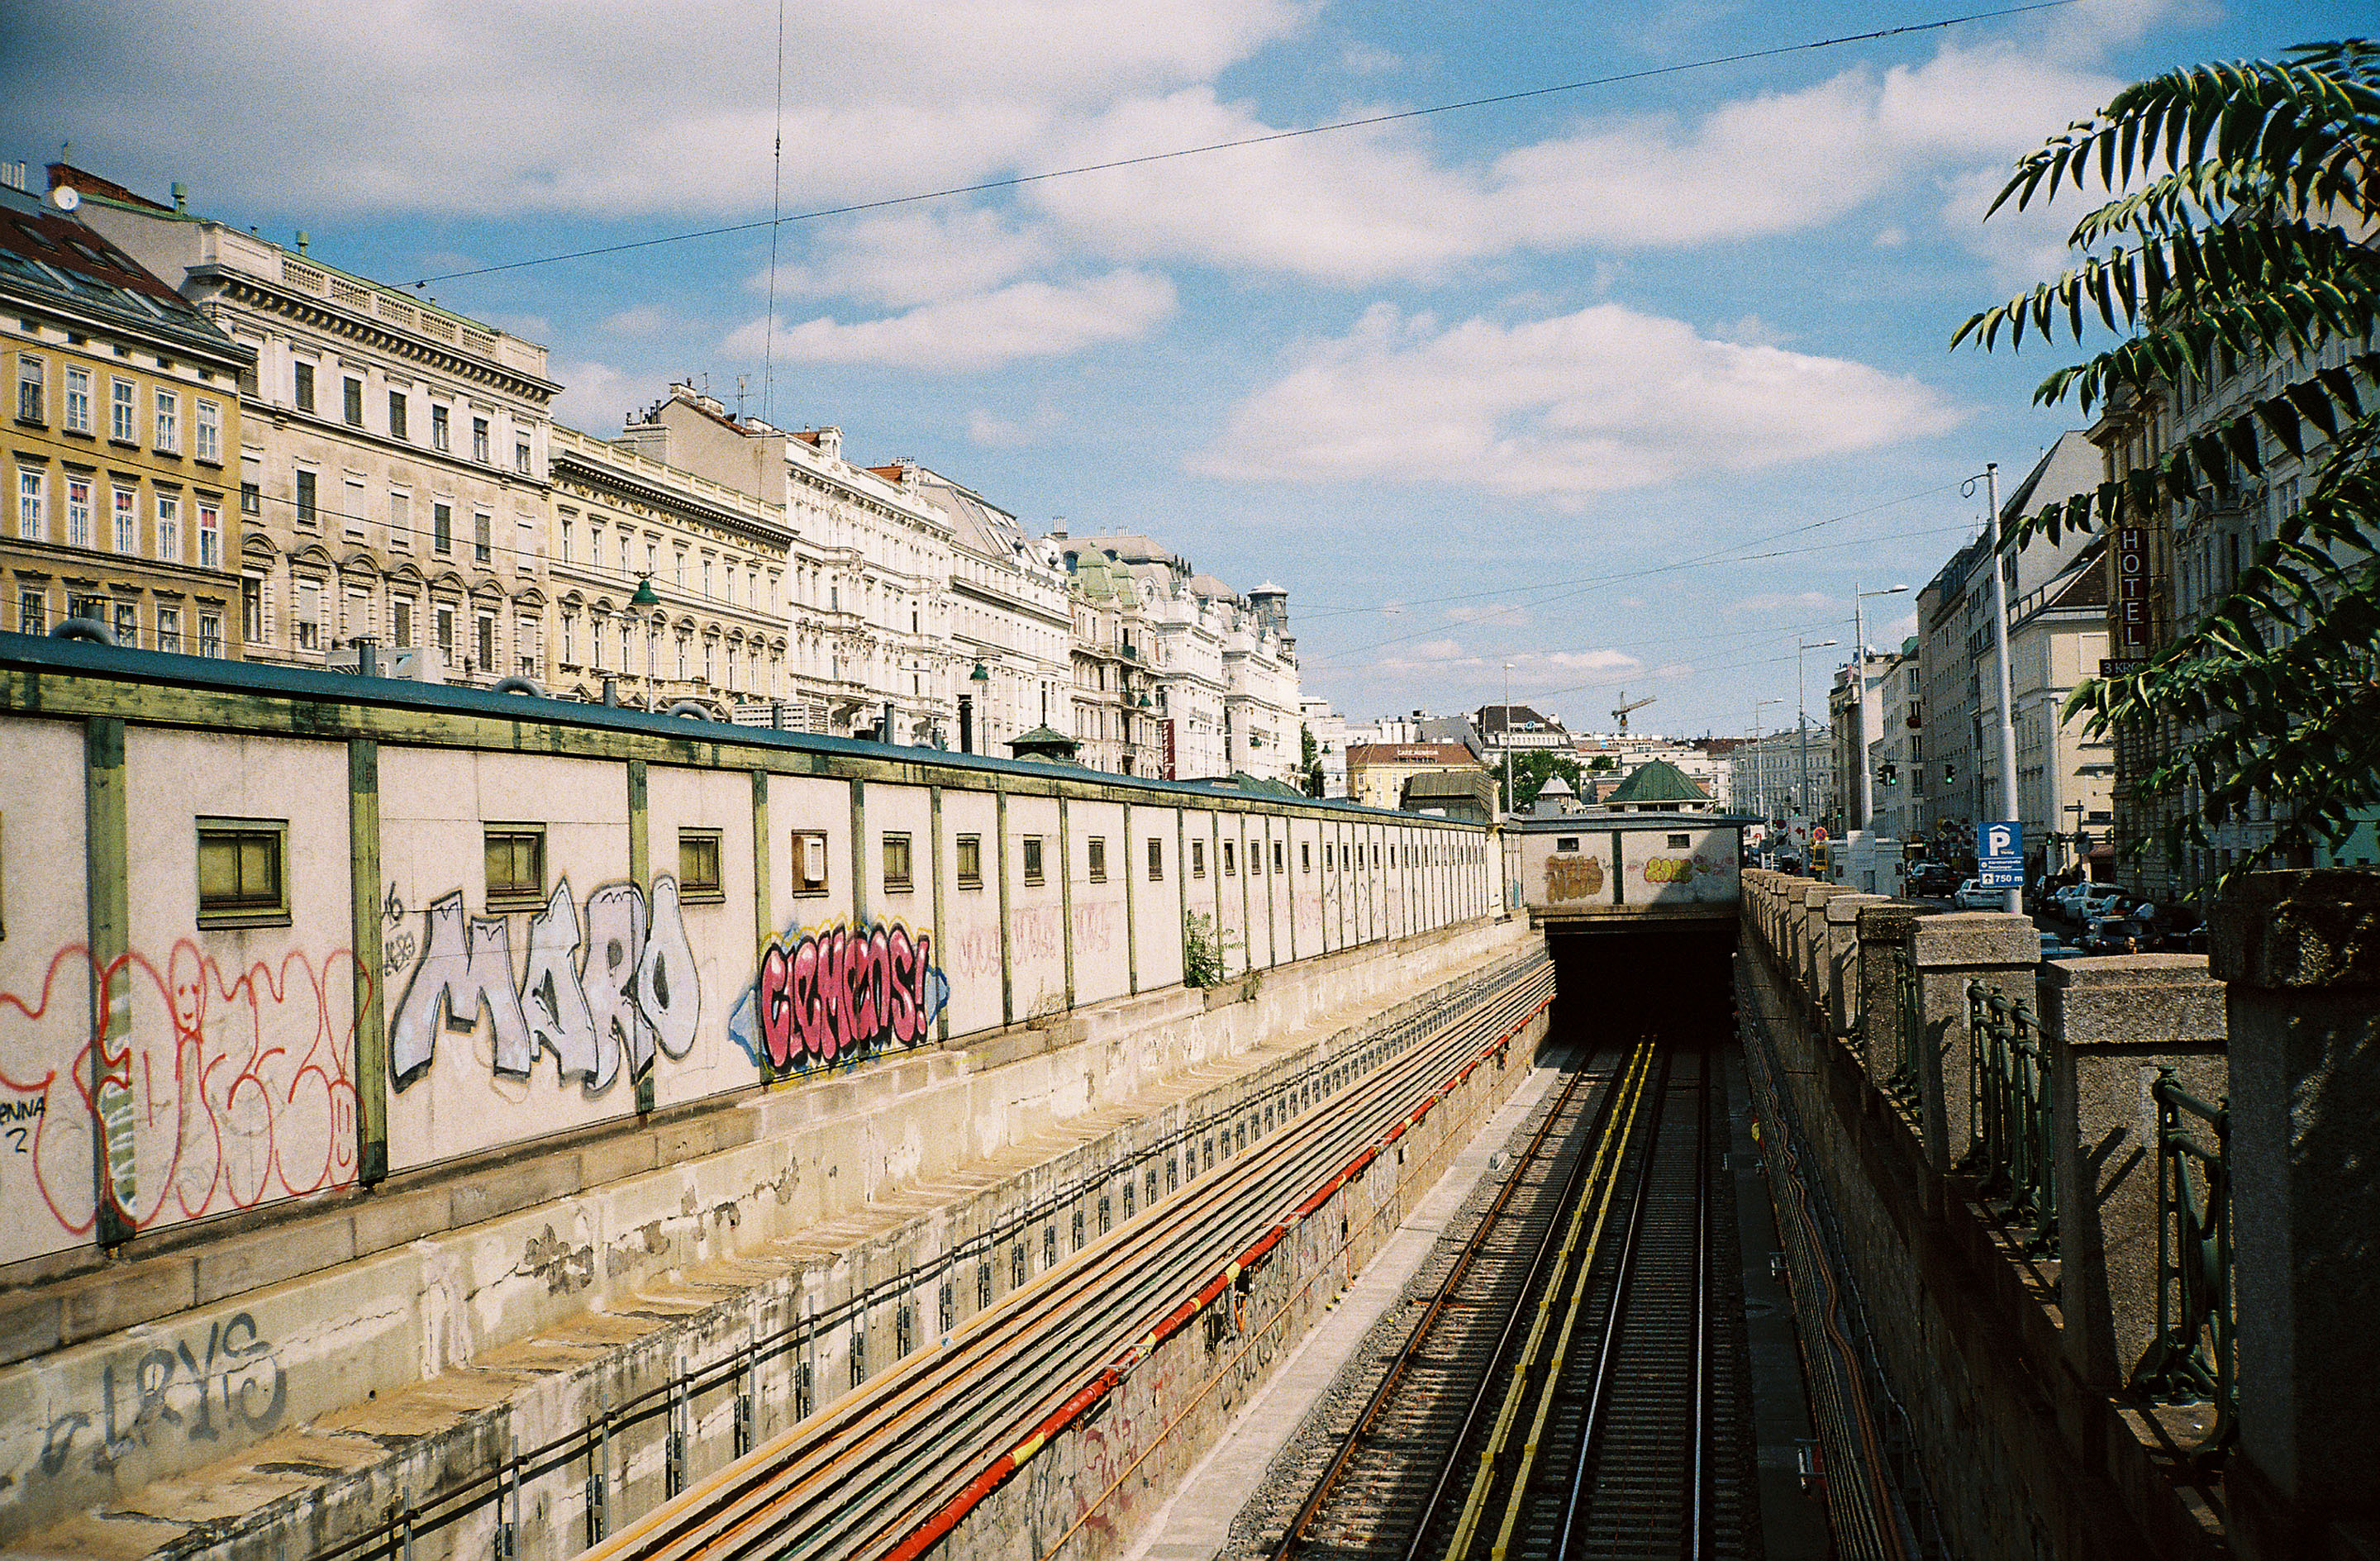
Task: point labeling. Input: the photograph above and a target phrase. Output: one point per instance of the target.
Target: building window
(400, 520)
(400, 622)
(307, 512)
(1230, 859)
(446, 622)
(302, 386)
(169, 630)
(252, 499)
(482, 539)
(1277, 856)
(127, 521)
(79, 511)
(251, 609)
(309, 615)
(565, 541)
(396, 414)
(1198, 859)
(479, 441)
(207, 419)
(970, 861)
(32, 612)
(897, 864)
(77, 416)
(516, 854)
(168, 427)
(1096, 852)
(487, 642)
(698, 866)
(520, 457)
(1032, 859)
(1680, 842)
(810, 862)
(28, 505)
(31, 404)
(120, 429)
(1305, 857)
(570, 639)
(1155, 860)
(240, 878)
(441, 429)
(441, 528)
(169, 526)
(210, 635)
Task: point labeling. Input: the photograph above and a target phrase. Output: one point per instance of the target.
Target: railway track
(888, 1469)
(1565, 1394)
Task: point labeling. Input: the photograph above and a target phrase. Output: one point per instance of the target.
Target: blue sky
(1533, 382)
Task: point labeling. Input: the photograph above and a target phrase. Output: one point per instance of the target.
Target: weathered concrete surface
(2300, 953)
(372, 1380)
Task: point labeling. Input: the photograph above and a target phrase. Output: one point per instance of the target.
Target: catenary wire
(1015, 181)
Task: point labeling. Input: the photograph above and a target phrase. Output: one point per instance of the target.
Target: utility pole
(2000, 645)
(1508, 739)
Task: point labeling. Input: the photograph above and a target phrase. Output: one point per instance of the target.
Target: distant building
(1659, 787)
(123, 468)
(1329, 730)
(1519, 729)
(1466, 795)
(1553, 798)
(1376, 772)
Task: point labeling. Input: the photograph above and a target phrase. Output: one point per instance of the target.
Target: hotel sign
(2131, 607)
(1165, 749)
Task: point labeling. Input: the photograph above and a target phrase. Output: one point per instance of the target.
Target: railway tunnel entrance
(1672, 979)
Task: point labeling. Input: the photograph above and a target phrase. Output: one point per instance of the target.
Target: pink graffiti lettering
(839, 994)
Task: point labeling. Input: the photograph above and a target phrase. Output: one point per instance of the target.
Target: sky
(1623, 386)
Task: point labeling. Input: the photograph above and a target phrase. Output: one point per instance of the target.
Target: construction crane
(1626, 704)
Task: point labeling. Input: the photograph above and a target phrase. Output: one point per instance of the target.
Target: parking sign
(1999, 855)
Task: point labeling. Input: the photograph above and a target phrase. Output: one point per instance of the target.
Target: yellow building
(125, 413)
(1376, 772)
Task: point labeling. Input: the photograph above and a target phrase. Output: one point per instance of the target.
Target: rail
(2010, 1102)
(2191, 1359)
(1908, 1024)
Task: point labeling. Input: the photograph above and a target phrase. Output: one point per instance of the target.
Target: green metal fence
(2191, 1360)
(2009, 1114)
(1907, 1024)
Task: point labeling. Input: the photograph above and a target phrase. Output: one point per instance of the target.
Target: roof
(1450, 783)
(48, 257)
(1496, 718)
(1658, 781)
(1453, 754)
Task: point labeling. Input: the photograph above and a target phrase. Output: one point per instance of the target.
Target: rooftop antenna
(741, 381)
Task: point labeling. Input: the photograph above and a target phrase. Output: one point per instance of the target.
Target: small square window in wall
(242, 880)
(897, 864)
(1032, 859)
(1565, 842)
(1277, 849)
(698, 879)
(1156, 859)
(515, 867)
(809, 861)
(1304, 856)
(1230, 859)
(1198, 859)
(970, 861)
(1096, 858)
(1680, 842)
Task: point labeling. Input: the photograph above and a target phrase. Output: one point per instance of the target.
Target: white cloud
(641, 320)
(1595, 402)
(596, 397)
(969, 334)
(1776, 600)
(918, 256)
(994, 431)
(1510, 615)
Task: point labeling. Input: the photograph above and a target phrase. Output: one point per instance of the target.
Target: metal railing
(1907, 1024)
(2010, 1104)
(2191, 1360)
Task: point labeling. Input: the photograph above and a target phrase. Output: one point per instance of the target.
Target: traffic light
(1889, 775)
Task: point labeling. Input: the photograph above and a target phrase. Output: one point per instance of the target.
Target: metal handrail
(1907, 1024)
(2009, 1102)
(2191, 1359)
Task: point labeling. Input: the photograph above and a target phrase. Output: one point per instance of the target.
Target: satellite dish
(65, 199)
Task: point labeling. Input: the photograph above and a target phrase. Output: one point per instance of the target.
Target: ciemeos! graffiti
(635, 989)
(838, 994)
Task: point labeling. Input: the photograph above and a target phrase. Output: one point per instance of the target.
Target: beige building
(120, 453)
(711, 559)
(1376, 772)
(393, 454)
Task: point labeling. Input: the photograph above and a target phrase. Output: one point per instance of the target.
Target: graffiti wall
(839, 994)
(225, 1086)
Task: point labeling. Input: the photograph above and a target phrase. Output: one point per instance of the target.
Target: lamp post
(1508, 739)
(1760, 792)
(1802, 725)
(2000, 645)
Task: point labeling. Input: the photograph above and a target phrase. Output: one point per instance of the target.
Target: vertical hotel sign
(1165, 748)
(2131, 608)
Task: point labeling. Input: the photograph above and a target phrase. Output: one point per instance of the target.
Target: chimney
(12, 174)
(1057, 528)
(829, 443)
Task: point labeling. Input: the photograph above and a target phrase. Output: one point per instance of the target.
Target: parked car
(1973, 896)
(2116, 934)
(2055, 948)
(1932, 880)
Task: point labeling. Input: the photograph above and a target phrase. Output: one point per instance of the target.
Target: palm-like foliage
(2240, 219)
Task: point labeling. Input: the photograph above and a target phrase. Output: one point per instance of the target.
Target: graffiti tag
(236, 1375)
(1670, 869)
(837, 993)
(635, 989)
(1572, 877)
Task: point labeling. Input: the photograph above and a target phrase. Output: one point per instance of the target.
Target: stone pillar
(1882, 926)
(2109, 1025)
(1841, 960)
(1994, 947)
(2299, 953)
(1810, 961)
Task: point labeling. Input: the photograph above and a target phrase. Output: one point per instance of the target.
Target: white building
(1009, 618)
(1329, 728)
(392, 461)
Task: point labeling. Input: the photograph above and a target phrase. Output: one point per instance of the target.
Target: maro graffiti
(1572, 877)
(220, 1090)
(635, 990)
(838, 994)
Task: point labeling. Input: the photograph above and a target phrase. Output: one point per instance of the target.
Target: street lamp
(1802, 725)
(2000, 645)
(1858, 700)
(1508, 739)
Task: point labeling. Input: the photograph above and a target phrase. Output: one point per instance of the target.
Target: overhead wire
(1329, 128)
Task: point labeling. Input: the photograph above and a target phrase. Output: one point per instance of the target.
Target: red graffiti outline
(833, 993)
